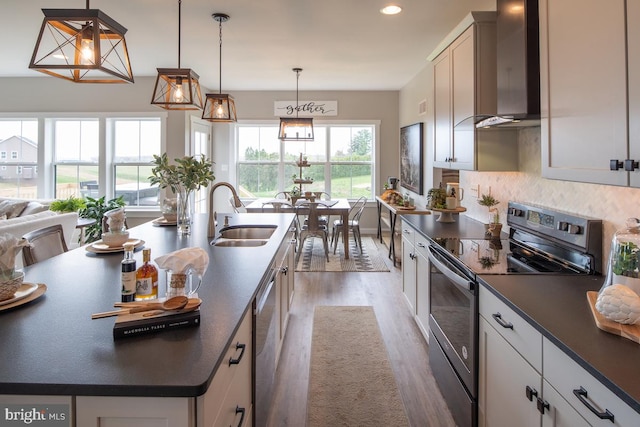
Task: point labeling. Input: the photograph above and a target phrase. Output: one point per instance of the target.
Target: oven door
(454, 315)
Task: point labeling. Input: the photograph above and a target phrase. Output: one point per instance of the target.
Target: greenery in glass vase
(187, 174)
(489, 201)
(95, 209)
(625, 259)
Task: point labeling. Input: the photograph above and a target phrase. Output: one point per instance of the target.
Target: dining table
(339, 207)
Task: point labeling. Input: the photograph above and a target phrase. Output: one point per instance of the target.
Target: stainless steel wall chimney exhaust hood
(518, 67)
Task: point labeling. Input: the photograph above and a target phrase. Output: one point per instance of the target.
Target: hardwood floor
(405, 344)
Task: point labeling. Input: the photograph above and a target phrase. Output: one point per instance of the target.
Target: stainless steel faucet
(211, 227)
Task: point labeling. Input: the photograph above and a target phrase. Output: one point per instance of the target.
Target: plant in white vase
(187, 175)
(494, 227)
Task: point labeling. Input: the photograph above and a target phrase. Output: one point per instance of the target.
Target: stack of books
(130, 325)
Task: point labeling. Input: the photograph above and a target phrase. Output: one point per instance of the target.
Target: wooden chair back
(44, 243)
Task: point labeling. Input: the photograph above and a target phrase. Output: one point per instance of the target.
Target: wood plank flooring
(405, 344)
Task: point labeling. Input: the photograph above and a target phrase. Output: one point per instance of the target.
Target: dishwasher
(265, 347)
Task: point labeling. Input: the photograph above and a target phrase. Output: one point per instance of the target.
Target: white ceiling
(340, 44)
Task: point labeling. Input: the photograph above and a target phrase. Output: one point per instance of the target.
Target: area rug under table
(313, 257)
(351, 382)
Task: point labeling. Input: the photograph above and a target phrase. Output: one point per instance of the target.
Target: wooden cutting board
(631, 332)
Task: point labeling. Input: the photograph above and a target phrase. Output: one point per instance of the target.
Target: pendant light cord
(297, 80)
(179, 28)
(220, 57)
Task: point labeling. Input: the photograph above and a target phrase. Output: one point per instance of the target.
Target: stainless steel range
(541, 241)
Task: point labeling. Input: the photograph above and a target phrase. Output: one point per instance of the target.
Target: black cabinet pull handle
(542, 405)
(233, 361)
(630, 165)
(531, 393)
(285, 270)
(420, 245)
(501, 322)
(615, 164)
(581, 394)
(241, 411)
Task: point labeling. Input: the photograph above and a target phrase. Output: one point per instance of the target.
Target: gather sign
(305, 108)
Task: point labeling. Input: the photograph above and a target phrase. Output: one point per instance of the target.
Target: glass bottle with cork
(128, 277)
(146, 278)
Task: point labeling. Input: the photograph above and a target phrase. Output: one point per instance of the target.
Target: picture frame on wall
(411, 155)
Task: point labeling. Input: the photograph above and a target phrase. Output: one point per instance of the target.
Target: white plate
(163, 222)
(23, 291)
(100, 247)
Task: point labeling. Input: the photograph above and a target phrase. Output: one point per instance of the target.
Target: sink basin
(240, 242)
(244, 235)
(247, 231)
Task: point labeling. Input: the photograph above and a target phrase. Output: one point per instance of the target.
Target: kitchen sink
(244, 235)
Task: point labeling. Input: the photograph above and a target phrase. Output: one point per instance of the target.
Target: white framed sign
(305, 108)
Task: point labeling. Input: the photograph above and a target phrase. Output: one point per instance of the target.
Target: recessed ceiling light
(391, 10)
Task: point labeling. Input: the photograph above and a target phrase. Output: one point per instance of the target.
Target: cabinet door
(633, 62)
(583, 89)
(503, 381)
(128, 411)
(463, 72)
(442, 110)
(409, 269)
(422, 293)
(559, 413)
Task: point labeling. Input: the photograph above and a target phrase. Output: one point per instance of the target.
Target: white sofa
(37, 215)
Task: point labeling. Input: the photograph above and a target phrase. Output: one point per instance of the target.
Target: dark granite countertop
(50, 346)
(557, 307)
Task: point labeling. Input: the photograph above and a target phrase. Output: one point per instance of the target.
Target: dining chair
(282, 195)
(44, 243)
(354, 224)
(312, 227)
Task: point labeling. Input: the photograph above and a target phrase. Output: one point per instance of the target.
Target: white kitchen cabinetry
(285, 276)
(526, 380)
(227, 400)
(583, 105)
(633, 65)
(415, 276)
(465, 86)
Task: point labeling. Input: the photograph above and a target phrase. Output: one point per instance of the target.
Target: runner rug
(351, 382)
(313, 257)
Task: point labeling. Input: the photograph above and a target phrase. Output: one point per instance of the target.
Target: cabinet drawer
(521, 335)
(408, 233)
(422, 245)
(236, 406)
(210, 404)
(565, 375)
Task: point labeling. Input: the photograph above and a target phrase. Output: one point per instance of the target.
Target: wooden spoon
(193, 304)
(173, 303)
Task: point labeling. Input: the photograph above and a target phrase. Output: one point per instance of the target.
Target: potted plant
(95, 209)
(187, 175)
(494, 227)
(72, 204)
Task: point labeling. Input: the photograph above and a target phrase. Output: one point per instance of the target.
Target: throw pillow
(12, 208)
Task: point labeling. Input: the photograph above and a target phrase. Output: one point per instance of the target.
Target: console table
(394, 211)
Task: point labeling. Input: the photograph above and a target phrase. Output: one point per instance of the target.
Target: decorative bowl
(170, 216)
(9, 287)
(114, 240)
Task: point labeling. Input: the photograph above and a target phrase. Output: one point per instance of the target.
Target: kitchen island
(51, 347)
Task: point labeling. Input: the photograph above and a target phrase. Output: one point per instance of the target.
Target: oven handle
(458, 280)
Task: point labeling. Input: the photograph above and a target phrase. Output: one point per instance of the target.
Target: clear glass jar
(624, 267)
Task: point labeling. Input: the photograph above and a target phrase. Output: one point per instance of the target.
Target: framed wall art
(411, 151)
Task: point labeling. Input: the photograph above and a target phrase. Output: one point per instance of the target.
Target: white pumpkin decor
(620, 304)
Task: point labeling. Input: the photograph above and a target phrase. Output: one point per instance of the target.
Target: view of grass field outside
(340, 159)
(76, 157)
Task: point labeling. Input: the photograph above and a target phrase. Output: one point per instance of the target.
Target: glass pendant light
(220, 107)
(296, 128)
(177, 88)
(83, 46)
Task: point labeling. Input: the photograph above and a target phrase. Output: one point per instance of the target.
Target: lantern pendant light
(296, 128)
(82, 46)
(220, 107)
(177, 88)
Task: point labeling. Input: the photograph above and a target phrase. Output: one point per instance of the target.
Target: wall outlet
(475, 191)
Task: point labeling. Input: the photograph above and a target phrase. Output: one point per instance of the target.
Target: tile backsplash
(611, 204)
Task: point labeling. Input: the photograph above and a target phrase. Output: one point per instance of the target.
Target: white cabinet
(464, 86)
(284, 282)
(415, 276)
(526, 380)
(584, 90)
(124, 411)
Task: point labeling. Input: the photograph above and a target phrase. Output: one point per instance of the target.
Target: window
(341, 160)
(136, 141)
(18, 148)
(76, 157)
